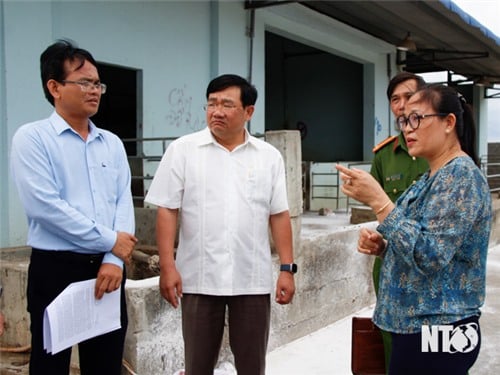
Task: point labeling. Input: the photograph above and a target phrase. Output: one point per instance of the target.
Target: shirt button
(414, 158)
(395, 191)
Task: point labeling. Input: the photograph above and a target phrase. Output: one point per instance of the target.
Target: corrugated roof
(447, 38)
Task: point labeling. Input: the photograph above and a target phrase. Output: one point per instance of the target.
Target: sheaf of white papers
(76, 315)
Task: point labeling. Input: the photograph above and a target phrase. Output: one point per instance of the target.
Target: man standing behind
(225, 187)
(392, 166)
(74, 182)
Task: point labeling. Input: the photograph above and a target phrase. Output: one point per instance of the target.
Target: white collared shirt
(225, 200)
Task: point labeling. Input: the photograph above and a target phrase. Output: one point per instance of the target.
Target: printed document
(76, 315)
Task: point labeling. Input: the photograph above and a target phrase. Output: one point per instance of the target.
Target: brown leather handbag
(367, 348)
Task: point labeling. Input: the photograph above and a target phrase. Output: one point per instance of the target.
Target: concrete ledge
(154, 336)
(333, 281)
(13, 277)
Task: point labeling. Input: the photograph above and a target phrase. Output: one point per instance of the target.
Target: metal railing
(138, 164)
(319, 184)
(490, 167)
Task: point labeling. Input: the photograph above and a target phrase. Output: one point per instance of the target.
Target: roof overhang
(446, 37)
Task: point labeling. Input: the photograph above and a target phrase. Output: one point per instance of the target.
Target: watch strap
(289, 267)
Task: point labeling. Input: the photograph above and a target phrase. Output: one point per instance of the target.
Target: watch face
(289, 267)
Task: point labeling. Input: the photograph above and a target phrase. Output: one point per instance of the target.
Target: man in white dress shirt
(226, 188)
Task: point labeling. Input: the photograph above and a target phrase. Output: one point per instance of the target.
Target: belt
(70, 256)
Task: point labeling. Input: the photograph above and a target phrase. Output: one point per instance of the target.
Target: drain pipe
(389, 73)
(250, 35)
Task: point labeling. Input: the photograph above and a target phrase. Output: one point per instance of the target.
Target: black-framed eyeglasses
(86, 86)
(413, 119)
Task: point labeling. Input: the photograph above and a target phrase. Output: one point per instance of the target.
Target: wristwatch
(291, 267)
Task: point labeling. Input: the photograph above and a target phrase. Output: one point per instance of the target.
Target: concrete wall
(333, 281)
(13, 278)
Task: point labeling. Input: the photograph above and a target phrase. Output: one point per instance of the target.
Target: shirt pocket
(258, 185)
(395, 185)
(108, 180)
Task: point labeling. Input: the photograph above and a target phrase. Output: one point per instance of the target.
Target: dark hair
(445, 99)
(248, 94)
(402, 77)
(52, 62)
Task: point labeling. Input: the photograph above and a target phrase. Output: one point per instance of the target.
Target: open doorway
(120, 112)
(321, 95)
(118, 109)
(318, 93)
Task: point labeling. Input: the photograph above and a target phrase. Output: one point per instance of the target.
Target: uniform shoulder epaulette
(384, 142)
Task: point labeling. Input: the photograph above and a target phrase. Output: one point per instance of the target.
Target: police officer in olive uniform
(392, 166)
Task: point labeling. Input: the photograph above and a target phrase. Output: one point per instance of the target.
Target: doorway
(118, 109)
(120, 112)
(318, 93)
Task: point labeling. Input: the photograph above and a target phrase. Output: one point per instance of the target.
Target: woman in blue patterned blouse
(433, 240)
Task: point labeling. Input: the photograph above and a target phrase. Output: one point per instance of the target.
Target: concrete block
(145, 225)
(333, 281)
(362, 214)
(289, 144)
(154, 337)
(13, 277)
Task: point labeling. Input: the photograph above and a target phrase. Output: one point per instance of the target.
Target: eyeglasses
(225, 106)
(86, 86)
(414, 120)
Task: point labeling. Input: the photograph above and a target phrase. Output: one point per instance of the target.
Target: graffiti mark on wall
(378, 126)
(180, 113)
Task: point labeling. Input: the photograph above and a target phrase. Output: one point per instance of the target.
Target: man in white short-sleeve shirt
(226, 188)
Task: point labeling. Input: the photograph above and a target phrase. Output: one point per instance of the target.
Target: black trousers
(408, 358)
(49, 273)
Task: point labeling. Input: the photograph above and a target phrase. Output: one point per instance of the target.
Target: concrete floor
(327, 351)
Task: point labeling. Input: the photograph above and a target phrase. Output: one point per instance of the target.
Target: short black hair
(248, 91)
(402, 77)
(53, 58)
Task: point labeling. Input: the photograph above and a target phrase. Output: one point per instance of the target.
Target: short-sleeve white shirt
(225, 200)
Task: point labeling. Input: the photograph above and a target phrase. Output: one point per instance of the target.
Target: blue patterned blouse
(434, 266)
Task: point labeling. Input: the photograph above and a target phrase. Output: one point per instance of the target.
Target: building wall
(155, 37)
(178, 46)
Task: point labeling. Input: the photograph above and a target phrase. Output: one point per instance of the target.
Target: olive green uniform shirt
(394, 168)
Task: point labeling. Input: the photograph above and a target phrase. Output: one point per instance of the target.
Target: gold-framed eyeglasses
(413, 119)
(224, 106)
(86, 86)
